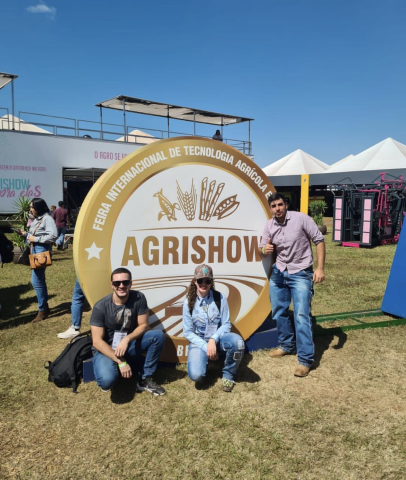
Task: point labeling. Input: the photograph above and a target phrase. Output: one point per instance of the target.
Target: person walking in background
(207, 326)
(61, 217)
(41, 236)
(218, 136)
(289, 235)
(78, 299)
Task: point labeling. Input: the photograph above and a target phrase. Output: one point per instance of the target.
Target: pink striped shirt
(291, 240)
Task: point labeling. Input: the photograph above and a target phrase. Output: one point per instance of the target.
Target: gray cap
(203, 271)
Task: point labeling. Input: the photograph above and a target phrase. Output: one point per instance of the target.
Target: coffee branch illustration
(209, 202)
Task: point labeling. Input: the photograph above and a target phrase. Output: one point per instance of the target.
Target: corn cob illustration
(187, 201)
(168, 208)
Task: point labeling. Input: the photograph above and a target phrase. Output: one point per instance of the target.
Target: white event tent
(138, 136)
(386, 155)
(296, 163)
(6, 123)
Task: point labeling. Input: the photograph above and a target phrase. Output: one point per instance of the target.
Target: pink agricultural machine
(370, 214)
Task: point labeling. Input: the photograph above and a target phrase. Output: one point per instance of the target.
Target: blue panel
(261, 340)
(88, 373)
(394, 299)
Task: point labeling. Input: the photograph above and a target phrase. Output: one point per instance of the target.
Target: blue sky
(326, 76)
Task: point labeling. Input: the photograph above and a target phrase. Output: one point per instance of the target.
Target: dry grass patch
(347, 420)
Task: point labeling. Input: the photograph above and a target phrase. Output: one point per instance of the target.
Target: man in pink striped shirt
(289, 234)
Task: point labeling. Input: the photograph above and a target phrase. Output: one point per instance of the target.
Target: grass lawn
(347, 420)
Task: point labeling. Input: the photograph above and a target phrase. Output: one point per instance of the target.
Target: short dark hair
(60, 204)
(120, 270)
(277, 196)
(40, 205)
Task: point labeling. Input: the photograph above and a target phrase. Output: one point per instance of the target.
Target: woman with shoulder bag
(41, 236)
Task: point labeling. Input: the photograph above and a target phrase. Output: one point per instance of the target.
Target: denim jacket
(205, 312)
(46, 232)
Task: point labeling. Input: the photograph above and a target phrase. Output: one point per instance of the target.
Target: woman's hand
(31, 239)
(212, 349)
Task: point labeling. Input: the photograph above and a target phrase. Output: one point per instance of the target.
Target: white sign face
(167, 208)
(31, 165)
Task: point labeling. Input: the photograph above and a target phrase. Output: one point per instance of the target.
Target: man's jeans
(78, 298)
(106, 371)
(230, 343)
(61, 236)
(298, 287)
(38, 278)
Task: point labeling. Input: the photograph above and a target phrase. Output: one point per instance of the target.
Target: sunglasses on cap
(204, 281)
(125, 283)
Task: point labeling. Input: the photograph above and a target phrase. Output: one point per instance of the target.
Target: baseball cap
(203, 271)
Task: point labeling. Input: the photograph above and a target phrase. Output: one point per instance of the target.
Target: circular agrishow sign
(167, 208)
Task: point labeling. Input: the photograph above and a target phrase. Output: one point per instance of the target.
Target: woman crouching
(206, 324)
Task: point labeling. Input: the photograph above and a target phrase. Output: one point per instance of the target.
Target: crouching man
(121, 333)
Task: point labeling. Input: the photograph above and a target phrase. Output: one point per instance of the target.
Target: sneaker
(150, 386)
(228, 385)
(105, 391)
(71, 332)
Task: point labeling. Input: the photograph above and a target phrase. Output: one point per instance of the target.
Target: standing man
(289, 235)
(121, 333)
(61, 217)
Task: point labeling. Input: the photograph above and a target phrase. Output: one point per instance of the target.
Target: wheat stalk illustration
(187, 201)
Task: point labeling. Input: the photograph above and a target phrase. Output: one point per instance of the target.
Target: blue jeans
(61, 236)
(106, 371)
(77, 305)
(38, 278)
(298, 287)
(230, 343)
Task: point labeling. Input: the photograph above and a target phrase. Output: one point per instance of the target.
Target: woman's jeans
(230, 343)
(106, 371)
(38, 278)
(78, 298)
(298, 287)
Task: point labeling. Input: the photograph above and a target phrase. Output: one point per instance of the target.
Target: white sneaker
(70, 333)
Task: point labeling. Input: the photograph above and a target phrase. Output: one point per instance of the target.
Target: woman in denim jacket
(42, 235)
(207, 327)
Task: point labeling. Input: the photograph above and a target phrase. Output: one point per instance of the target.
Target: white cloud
(42, 8)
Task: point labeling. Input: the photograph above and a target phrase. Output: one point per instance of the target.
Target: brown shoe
(40, 316)
(278, 352)
(301, 371)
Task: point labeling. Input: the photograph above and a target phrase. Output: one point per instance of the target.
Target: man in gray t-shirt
(121, 333)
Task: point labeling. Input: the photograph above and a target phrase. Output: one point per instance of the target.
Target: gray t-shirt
(122, 318)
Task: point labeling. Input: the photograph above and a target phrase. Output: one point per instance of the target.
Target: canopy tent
(296, 163)
(386, 155)
(196, 115)
(8, 122)
(138, 136)
(148, 107)
(6, 78)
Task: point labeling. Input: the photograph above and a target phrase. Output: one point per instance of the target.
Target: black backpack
(6, 249)
(217, 301)
(66, 370)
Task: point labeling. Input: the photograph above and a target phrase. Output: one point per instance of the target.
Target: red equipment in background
(369, 214)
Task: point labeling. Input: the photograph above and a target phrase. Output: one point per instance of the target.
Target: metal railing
(99, 130)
